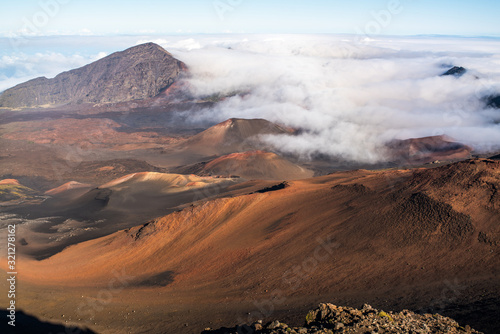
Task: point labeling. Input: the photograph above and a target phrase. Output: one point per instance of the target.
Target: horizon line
(12, 35)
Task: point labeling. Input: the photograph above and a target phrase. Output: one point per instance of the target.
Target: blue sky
(408, 17)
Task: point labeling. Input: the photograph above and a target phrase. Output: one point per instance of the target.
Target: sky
(369, 17)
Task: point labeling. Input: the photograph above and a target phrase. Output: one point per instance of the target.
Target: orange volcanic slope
(233, 135)
(165, 182)
(251, 165)
(428, 149)
(11, 182)
(148, 192)
(67, 187)
(257, 165)
(341, 232)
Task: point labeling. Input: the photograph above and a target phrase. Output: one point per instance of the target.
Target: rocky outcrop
(493, 101)
(329, 319)
(456, 71)
(140, 72)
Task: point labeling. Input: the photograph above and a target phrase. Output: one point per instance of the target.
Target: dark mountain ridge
(140, 72)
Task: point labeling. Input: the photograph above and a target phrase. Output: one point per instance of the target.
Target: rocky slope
(139, 72)
(329, 319)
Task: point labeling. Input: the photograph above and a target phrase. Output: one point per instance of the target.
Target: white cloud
(350, 97)
(85, 32)
(21, 67)
(100, 55)
(177, 44)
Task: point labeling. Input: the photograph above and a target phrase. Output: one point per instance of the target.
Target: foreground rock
(328, 318)
(140, 72)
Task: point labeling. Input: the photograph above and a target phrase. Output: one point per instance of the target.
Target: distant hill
(231, 136)
(69, 187)
(139, 72)
(249, 165)
(456, 71)
(428, 149)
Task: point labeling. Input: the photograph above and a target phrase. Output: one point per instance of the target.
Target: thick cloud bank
(349, 96)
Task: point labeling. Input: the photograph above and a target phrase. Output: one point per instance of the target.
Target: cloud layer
(349, 96)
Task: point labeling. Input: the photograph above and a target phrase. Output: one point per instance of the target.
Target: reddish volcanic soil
(250, 165)
(233, 135)
(12, 182)
(68, 187)
(75, 212)
(428, 149)
(85, 133)
(424, 239)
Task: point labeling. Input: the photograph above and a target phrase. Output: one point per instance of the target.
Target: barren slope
(395, 233)
(76, 212)
(250, 165)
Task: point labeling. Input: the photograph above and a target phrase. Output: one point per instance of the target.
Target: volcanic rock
(329, 318)
(493, 101)
(139, 72)
(456, 71)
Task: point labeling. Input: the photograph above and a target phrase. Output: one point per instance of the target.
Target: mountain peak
(139, 72)
(145, 47)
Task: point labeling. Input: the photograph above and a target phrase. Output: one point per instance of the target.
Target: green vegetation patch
(9, 192)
